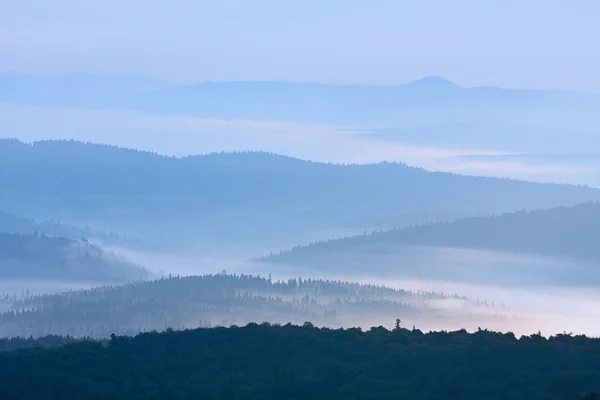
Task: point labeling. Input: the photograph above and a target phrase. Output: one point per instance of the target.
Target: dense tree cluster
(292, 362)
(49, 341)
(39, 257)
(225, 299)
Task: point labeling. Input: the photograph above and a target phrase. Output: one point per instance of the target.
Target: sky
(510, 43)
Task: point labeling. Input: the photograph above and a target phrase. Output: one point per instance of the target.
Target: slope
(223, 300)
(35, 257)
(542, 237)
(253, 195)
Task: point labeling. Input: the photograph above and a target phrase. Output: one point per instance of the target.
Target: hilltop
(264, 200)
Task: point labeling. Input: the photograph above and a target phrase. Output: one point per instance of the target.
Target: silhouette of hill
(369, 105)
(38, 257)
(430, 98)
(569, 232)
(292, 362)
(254, 181)
(223, 299)
(128, 191)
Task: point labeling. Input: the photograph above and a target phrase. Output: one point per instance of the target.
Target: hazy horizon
(354, 42)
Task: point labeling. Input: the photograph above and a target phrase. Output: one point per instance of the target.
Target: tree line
(305, 362)
(225, 299)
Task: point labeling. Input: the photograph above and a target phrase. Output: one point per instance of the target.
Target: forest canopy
(293, 362)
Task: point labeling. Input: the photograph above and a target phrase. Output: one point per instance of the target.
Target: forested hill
(291, 362)
(10, 223)
(222, 299)
(95, 177)
(42, 257)
(562, 231)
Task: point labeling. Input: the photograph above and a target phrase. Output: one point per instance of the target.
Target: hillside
(259, 194)
(10, 223)
(39, 257)
(291, 362)
(557, 233)
(223, 300)
(567, 231)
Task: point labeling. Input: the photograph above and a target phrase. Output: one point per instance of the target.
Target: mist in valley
(492, 290)
(480, 201)
(300, 200)
(524, 285)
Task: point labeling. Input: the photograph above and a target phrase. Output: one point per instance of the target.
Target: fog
(238, 208)
(533, 293)
(183, 184)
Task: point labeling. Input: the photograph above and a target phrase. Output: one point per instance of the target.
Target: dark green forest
(562, 231)
(226, 299)
(40, 257)
(304, 362)
(48, 341)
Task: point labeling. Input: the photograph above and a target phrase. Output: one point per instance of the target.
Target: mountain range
(431, 98)
(244, 196)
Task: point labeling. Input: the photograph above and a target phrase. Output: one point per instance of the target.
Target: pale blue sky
(509, 43)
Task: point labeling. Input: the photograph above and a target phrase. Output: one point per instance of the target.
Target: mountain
(558, 233)
(251, 194)
(36, 257)
(420, 102)
(304, 362)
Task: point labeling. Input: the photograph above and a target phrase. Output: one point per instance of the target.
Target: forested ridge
(10, 223)
(304, 362)
(253, 180)
(41, 257)
(562, 231)
(254, 200)
(227, 299)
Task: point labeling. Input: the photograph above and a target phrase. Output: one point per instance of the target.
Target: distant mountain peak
(434, 82)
